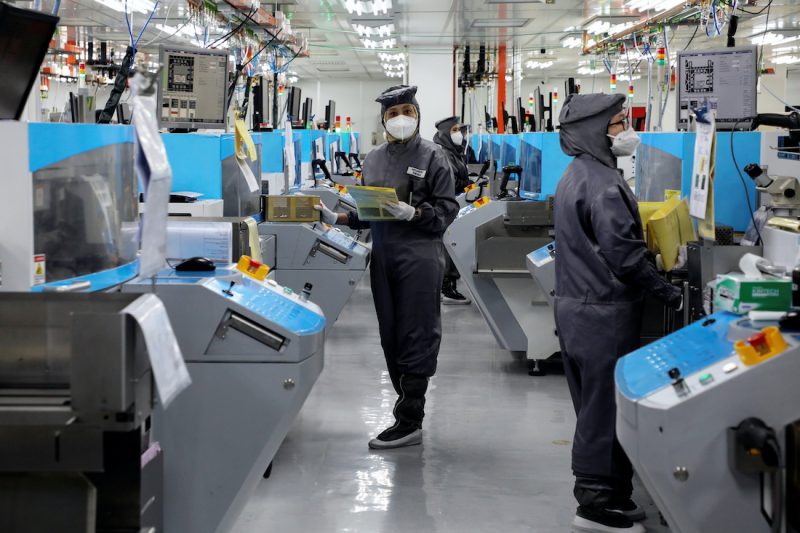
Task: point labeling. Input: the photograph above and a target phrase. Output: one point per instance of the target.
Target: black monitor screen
(330, 114)
(24, 39)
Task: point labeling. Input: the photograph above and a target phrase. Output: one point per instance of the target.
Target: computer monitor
(330, 115)
(193, 90)
(293, 105)
(24, 38)
(727, 77)
(308, 110)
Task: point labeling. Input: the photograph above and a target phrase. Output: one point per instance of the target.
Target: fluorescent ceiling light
(539, 64)
(333, 69)
(385, 30)
(395, 74)
(385, 44)
(599, 25)
(514, 2)
(771, 38)
(391, 57)
(572, 41)
(589, 71)
(658, 6)
(499, 23)
(139, 6)
(786, 60)
(359, 7)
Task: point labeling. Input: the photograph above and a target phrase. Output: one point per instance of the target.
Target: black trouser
(593, 337)
(451, 274)
(406, 283)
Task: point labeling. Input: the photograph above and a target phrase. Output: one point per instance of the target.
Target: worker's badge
(416, 172)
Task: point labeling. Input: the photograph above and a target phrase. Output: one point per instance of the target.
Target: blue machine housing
(272, 144)
(671, 152)
(543, 163)
(196, 160)
(54, 146)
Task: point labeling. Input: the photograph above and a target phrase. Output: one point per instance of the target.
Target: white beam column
(432, 73)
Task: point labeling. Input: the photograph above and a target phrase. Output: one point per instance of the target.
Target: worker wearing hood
(408, 257)
(451, 139)
(603, 271)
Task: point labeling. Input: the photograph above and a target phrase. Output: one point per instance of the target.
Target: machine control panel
(341, 238)
(270, 301)
(689, 350)
(543, 255)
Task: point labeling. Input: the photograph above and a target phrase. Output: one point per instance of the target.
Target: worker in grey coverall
(408, 257)
(603, 271)
(451, 139)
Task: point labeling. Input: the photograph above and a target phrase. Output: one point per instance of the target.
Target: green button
(706, 378)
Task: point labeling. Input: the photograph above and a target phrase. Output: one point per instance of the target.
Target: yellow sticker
(471, 187)
(242, 135)
(669, 194)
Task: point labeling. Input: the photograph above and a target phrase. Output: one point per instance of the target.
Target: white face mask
(457, 138)
(625, 143)
(401, 127)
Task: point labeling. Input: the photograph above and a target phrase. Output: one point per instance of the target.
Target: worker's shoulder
(430, 146)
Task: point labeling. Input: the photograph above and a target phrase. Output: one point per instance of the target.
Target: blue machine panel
(98, 281)
(690, 349)
(272, 143)
(342, 239)
(271, 305)
(52, 142)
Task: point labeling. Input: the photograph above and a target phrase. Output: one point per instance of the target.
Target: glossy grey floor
(496, 449)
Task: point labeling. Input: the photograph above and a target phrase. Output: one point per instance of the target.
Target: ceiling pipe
(639, 26)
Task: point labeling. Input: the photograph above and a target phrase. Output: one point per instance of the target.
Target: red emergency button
(759, 342)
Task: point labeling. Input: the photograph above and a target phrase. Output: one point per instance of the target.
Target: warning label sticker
(39, 269)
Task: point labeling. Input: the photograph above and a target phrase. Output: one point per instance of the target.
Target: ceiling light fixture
(359, 7)
(379, 31)
(500, 23)
(589, 71)
(599, 25)
(786, 60)
(772, 39)
(385, 44)
(391, 57)
(138, 6)
(514, 1)
(653, 5)
(572, 41)
(539, 64)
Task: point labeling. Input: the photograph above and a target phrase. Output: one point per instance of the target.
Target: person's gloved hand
(326, 215)
(682, 257)
(400, 210)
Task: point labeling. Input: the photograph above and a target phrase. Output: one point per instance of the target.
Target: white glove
(682, 257)
(326, 215)
(400, 210)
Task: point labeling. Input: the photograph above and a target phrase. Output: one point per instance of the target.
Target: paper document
(212, 240)
(169, 369)
(255, 242)
(370, 201)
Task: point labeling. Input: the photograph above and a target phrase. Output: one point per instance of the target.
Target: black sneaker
(590, 520)
(450, 296)
(396, 437)
(629, 509)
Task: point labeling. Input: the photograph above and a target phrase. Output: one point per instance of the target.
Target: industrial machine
(254, 349)
(76, 397)
(71, 200)
(328, 259)
(709, 418)
(488, 243)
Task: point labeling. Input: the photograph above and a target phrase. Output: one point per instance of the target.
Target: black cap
(446, 124)
(398, 94)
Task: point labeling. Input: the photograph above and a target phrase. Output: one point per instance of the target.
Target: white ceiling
(420, 26)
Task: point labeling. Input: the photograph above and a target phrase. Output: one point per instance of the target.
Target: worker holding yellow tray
(407, 203)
